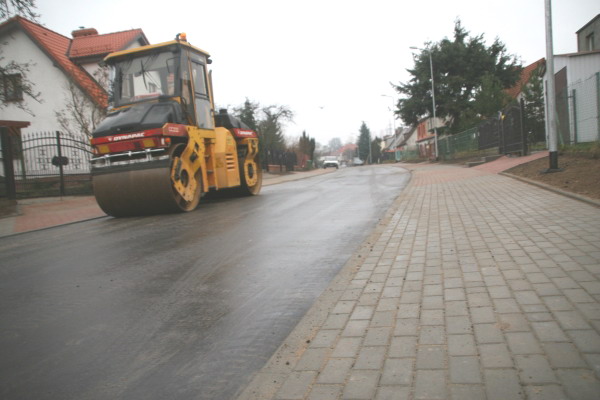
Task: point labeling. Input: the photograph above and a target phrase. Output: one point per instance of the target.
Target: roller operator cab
(162, 146)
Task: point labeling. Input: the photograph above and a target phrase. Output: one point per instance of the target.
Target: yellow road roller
(162, 146)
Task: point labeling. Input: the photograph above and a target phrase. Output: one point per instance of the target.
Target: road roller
(162, 145)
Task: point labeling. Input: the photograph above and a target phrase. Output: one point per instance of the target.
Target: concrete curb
(554, 189)
(53, 226)
(295, 176)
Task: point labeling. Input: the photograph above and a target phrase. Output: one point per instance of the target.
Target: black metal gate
(512, 136)
(505, 132)
(52, 164)
(488, 134)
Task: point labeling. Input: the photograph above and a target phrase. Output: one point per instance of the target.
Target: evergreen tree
(268, 123)
(490, 97)
(533, 98)
(463, 68)
(270, 128)
(364, 139)
(376, 150)
(247, 113)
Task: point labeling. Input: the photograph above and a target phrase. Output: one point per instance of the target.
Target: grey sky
(329, 61)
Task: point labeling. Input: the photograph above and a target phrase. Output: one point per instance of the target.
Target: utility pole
(550, 92)
(392, 110)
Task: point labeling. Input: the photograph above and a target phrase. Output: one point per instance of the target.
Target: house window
(589, 42)
(12, 87)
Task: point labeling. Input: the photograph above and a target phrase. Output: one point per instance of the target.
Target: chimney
(84, 32)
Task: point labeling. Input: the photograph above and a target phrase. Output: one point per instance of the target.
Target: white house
(55, 61)
(58, 68)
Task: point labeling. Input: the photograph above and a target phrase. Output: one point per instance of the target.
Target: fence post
(7, 160)
(501, 132)
(523, 134)
(574, 115)
(60, 164)
(598, 103)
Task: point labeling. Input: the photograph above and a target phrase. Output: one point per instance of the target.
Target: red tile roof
(58, 48)
(101, 45)
(525, 76)
(343, 149)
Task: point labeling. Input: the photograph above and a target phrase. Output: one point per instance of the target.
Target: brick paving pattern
(480, 287)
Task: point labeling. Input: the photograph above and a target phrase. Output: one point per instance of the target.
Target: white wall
(47, 79)
(580, 76)
(91, 68)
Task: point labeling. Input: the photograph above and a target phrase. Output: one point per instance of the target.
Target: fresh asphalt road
(177, 306)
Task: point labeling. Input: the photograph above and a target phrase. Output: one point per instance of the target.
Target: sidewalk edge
(284, 178)
(266, 382)
(53, 226)
(575, 196)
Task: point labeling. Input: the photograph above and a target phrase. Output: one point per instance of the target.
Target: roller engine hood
(140, 117)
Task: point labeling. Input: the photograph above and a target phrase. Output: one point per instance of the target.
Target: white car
(330, 161)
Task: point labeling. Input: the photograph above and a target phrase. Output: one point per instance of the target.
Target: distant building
(426, 136)
(588, 37)
(577, 83)
(403, 145)
(347, 152)
(516, 92)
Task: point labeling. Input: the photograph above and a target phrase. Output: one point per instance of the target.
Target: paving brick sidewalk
(477, 286)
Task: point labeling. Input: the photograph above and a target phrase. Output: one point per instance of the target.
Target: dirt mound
(580, 174)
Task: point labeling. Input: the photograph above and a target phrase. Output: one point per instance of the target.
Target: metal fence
(407, 153)
(515, 131)
(503, 134)
(454, 146)
(51, 164)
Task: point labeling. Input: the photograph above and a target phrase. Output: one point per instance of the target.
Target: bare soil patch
(580, 174)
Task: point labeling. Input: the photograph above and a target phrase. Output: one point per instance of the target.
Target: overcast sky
(331, 62)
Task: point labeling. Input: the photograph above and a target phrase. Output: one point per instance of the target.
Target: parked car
(357, 161)
(330, 161)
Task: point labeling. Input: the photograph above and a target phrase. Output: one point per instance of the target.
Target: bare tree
(81, 114)
(24, 8)
(14, 84)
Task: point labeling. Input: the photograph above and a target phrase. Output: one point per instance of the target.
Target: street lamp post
(392, 109)
(550, 92)
(435, 136)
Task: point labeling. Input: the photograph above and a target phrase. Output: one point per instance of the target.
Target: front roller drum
(144, 191)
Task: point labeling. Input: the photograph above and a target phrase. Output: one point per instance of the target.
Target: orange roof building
(77, 58)
(526, 73)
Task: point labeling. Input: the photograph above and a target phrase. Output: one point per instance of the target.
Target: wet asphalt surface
(177, 306)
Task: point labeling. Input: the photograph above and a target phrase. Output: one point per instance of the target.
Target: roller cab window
(202, 104)
(144, 78)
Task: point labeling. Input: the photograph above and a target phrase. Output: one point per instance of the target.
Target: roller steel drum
(139, 190)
